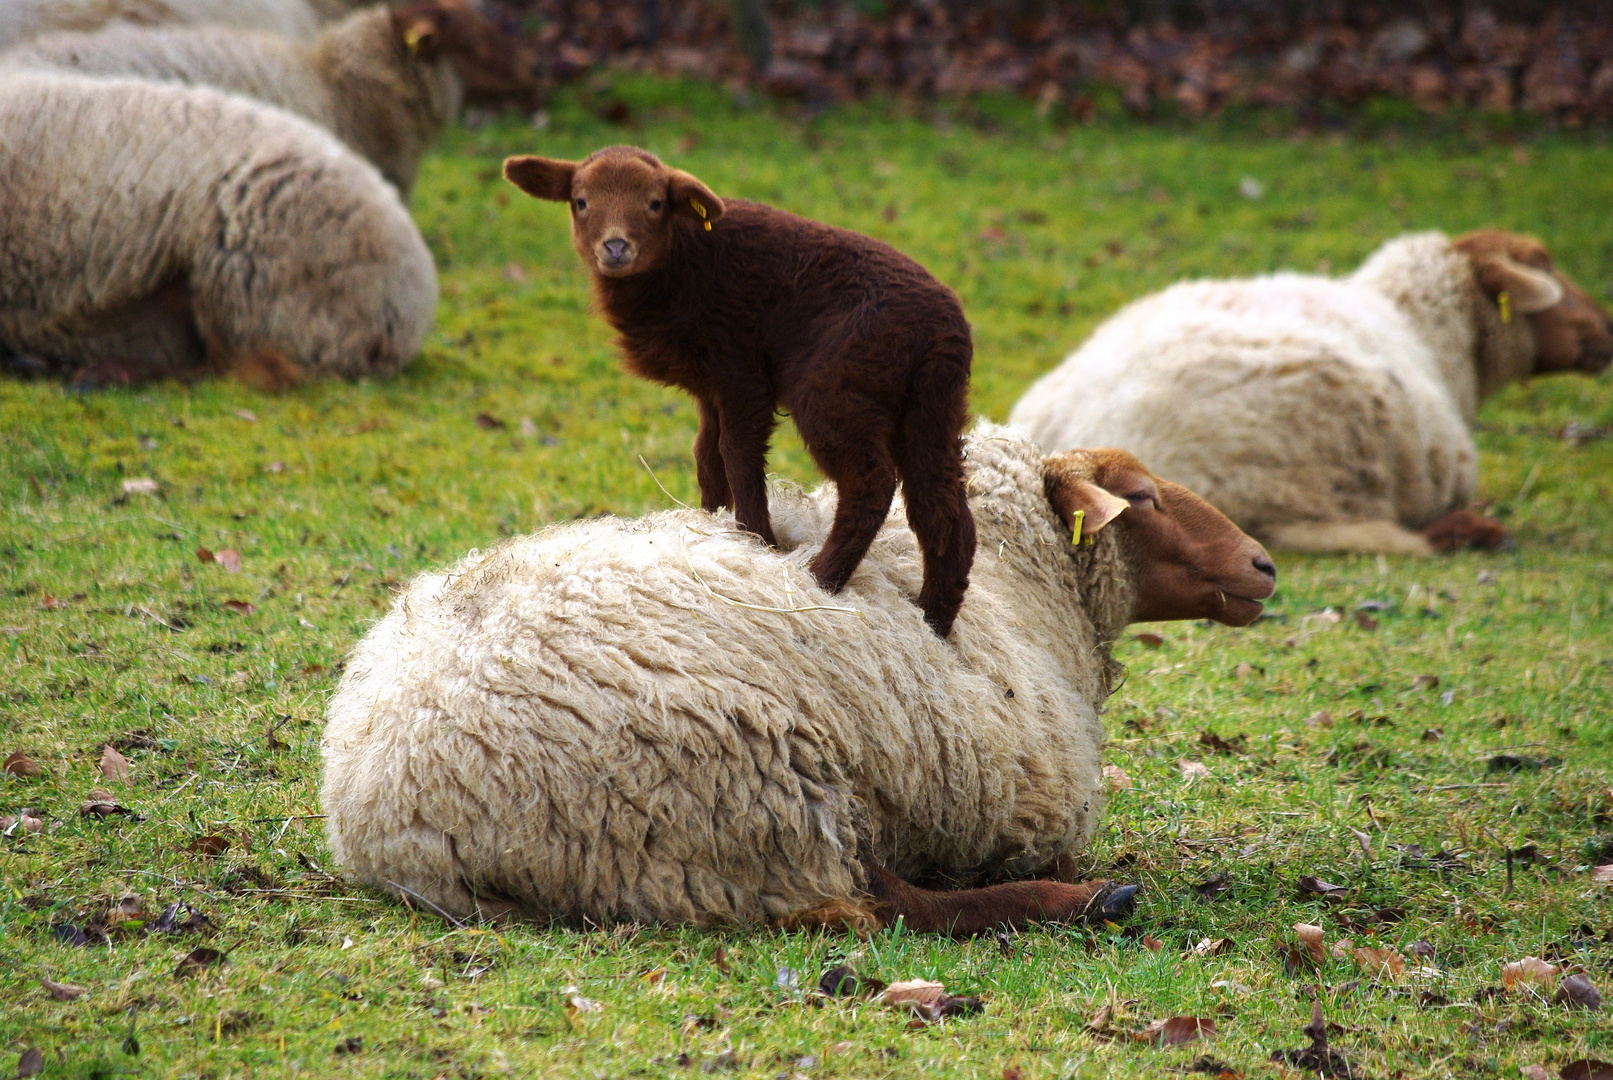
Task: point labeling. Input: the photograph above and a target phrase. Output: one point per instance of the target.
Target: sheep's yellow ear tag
(416, 33)
(1505, 302)
(1075, 526)
(700, 208)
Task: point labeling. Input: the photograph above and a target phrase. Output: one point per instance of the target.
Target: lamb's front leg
(747, 427)
(708, 463)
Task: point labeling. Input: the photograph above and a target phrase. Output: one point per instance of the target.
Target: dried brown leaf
(1311, 937)
(210, 847)
(62, 991)
(23, 821)
(240, 607)
(1378, 961)
(20, 765)
(1176, 1030)
(1213, 888)
(1315, 886)
(197, 961)
(489, 422)
(1601, 874)
(1365, 621)
(114, 766)
(101, 804)
(1212, 946)
(1321, 718)
(229, 559)
(1115, 777)
(928, 1001)
(32, 1062)
(1192, 770)
(1530, 971)
(1099, 1022)
(1535, 1072)
(1152, 641)
(1425, 682)
(1578, 992)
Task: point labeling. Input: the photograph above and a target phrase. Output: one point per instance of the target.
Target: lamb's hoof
(1113, 903)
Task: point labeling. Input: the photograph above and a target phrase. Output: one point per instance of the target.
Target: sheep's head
(1570, 332)
(625, 204)
(492, 68)
(1187, 560)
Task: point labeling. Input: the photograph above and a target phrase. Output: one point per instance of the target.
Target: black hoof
(1113, 904)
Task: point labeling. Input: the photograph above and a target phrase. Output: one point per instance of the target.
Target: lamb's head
(1187, 561)
(625, 204)
(490, 66)
(1571, 333)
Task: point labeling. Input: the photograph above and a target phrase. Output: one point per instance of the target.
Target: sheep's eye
(1139, 498)
(655, 205)
(582, 204)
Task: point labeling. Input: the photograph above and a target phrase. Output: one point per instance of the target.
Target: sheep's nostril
(1267, 567)
(615, 249)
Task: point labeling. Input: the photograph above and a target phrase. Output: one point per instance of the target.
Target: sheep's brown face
(1190, 562)
(1571, 332)
(624, 204)
(493, 68)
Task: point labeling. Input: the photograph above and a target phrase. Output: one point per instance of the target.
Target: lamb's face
(1571, 332)
(1187, 559)
(624, 204)
(491, 68)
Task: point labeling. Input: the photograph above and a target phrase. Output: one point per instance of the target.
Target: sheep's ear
(1528, 289)
(689, 196)
(541, 177)
(418, 33)
(1083, 506)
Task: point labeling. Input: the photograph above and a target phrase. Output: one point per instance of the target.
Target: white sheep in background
(1327, 414)
(387, 82)
(624, 719)
(168, 230)
(21, 20)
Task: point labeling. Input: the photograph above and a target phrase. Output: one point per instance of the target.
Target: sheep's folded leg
(963, 912)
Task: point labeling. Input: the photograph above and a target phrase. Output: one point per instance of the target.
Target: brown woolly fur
(1329, 414)
(751, 309)
(159, 230)
(387, 82)
(665, 720)
(21, 20)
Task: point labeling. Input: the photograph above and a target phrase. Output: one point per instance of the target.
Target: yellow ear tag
(1075, 528)
(700, 208)
(411, 40)
(1505, 300)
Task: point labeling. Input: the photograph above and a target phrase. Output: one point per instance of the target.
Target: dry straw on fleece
(579, 720)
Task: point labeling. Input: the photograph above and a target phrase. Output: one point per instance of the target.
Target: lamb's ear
(541, 177)
(1528, 289)
(1083, 506)
(689, 196)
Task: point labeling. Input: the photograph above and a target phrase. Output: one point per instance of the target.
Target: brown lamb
(752, 309)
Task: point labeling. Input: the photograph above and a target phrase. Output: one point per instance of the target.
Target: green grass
(335, 494)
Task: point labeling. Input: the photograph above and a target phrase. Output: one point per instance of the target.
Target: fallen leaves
(1365, 621)
(1152, 641)
(62, 991)
(1212, 947)
(102, 804)
(1318, 1057)
(26, 819)
(1310, 939)
(114, 766)
(22, 766)
(1212, 889)
(1425, 682)
(1311, 885)
(1175, 1030)
(1602, 875)
(844, 981)
(140, 485)
(1578, 992)
(1380, 961)
(31, 1063)
(240, 607)
(209, 847)
(1530, 971)
(928, 1001)
(228, 558)
(1115, 778)
(489, 422)
(198, 961)
(1192, 770)
(1238, 744)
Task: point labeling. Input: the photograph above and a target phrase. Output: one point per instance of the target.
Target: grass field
(517, 415)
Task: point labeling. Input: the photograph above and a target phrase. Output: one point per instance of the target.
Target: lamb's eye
(582, 204)
(655, 205)
(1139, 498)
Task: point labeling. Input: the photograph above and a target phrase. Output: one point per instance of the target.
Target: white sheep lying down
(386, 82)
(1327, 414)
(21, 20)
(663, 720)
(176, 229)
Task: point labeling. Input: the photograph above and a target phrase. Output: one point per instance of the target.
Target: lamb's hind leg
(963, 912)
(930, 458)
(852, 449)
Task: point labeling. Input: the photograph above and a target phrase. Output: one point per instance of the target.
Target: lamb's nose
(616, 250)
(1266, 566)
